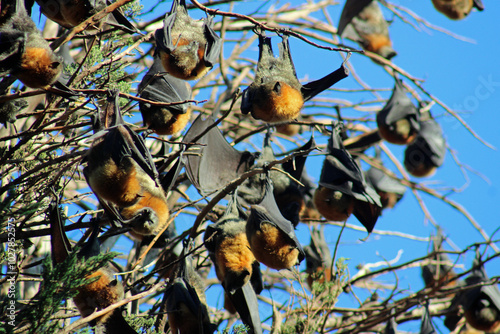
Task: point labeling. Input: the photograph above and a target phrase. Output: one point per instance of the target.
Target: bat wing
(169, 179)
(432, 135)
(284, 53)
(159, 87)
(116, 324)
(367, 213)
(181, 292)
(163, 36)
(268, 211)
(383, 182)
(58, 240)
(391, 327)
(214, 42)
(351, 9)
(256, 278)
(398, 107)
(479, 5)
(313, 88)
(244, 300)
(117, 19)
(426, 326)
(205, 169)
(295, 166)
(12, 46)
(126, 140)
(317, 252)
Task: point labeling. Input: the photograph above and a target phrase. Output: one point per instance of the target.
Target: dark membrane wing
(164, 88)
(313, 88)
(351, 9)
(216, 163)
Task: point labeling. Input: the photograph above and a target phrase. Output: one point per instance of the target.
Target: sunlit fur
(186, 61)
(99, 294)
(273, 248)
(39, 68)
(164, 122)
(117, 184)
(332, 204)
(149, 200)
(454, 9)
(276, 105)
(373, 31)
(234, 261)
(401, 133)
(380, 44)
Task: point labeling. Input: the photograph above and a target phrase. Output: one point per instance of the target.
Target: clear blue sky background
(455, 72)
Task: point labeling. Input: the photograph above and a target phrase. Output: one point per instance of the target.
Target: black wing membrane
(212, 166)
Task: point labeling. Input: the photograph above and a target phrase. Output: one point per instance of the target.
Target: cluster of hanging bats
(264, 208)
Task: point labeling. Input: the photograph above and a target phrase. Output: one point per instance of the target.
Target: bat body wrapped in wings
(70, 13)
(398, 121)
(426, 153)
(159, 86)
(440, 271)
(363, 22)
(276, 95)
(482, 303)
(24, 53)
(426, 326)
(188, 48)
(122, 174)
(457, 9)
(103, 291)
(235, 264)
(343, 189)
(186, 302)
(272, 237)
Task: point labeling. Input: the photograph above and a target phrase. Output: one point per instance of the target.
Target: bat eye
(113, 283)
(277, 87)
(55, 64)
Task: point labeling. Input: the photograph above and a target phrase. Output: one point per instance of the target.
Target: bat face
(426, 153)
(398, 121)
(342, 188)
(389, 190)
(272, 238)
(457, 9)
(159, 86)
(70, 13)
(276, 94)
(25, 53)
(188, 48)
(363, 22)
(203, 167)
(122, 174)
